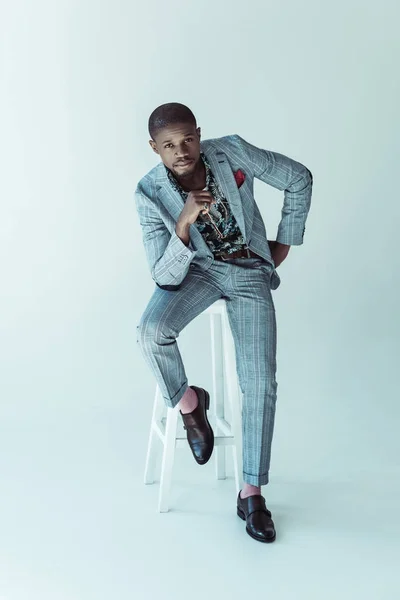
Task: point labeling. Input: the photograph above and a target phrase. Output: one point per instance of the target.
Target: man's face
(178, 144)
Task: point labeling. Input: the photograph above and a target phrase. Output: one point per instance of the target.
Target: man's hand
(278, 251)
(194, 205)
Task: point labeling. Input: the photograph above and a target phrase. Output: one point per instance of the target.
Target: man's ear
(153, 145)
(199, 132)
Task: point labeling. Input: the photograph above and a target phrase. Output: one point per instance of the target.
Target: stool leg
(168, 458)
(234, 398)
(158, 405)
(218, 390)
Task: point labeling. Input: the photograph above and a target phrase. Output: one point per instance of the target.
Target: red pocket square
(239, 177)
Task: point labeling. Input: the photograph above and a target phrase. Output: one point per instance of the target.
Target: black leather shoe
(199, 433)
(259, 524)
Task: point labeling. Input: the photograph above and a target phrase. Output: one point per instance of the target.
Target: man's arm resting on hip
(283, 173)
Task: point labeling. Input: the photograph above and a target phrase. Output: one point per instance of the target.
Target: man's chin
(182, 170)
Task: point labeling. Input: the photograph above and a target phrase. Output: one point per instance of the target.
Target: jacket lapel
(223, 173)
(170, 198)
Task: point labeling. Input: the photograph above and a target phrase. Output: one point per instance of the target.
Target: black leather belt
(244, 253)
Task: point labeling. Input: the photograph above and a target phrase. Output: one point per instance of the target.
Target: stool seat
(168, 428)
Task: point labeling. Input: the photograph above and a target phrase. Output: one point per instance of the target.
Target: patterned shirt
(221, 233)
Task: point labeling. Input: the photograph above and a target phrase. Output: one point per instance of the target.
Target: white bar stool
(225, 387)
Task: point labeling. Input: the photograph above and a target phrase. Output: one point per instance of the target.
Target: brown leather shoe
(259, 524)
(199, 433)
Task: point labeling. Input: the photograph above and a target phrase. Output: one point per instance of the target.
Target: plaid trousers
(244, 284)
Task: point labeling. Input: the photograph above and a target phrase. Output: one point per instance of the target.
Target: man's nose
(181, 150)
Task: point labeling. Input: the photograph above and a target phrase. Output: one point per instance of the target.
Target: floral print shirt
(221, 233)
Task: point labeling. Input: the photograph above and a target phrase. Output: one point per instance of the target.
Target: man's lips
(184, 164)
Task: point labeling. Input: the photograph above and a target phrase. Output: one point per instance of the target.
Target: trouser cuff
(257, 480)
(172, 402)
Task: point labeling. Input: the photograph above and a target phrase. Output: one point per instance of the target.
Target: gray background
(316, 81)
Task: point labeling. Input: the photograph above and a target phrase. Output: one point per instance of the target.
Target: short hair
(169, 114)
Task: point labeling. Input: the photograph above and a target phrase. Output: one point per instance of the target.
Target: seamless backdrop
(314, 80)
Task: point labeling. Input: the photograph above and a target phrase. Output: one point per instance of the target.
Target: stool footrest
(221, 424)
(223, 440)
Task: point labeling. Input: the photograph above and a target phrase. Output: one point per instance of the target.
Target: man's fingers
(202, 194)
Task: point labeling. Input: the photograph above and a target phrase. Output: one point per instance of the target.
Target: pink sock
(189, 401)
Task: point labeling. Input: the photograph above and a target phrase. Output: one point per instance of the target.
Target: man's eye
(187, 140)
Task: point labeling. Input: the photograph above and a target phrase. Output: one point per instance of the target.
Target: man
(205, 239)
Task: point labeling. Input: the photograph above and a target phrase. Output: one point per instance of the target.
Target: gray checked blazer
(159, 207)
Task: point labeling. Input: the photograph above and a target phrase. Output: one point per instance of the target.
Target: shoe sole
(241, 514)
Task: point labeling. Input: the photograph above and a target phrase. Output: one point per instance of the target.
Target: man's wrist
(182, 231)
(276, 243)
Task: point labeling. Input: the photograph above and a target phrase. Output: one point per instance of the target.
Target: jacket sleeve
(286, 174)
(167, 255)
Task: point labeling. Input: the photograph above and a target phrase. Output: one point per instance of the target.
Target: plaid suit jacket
(159, 207)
